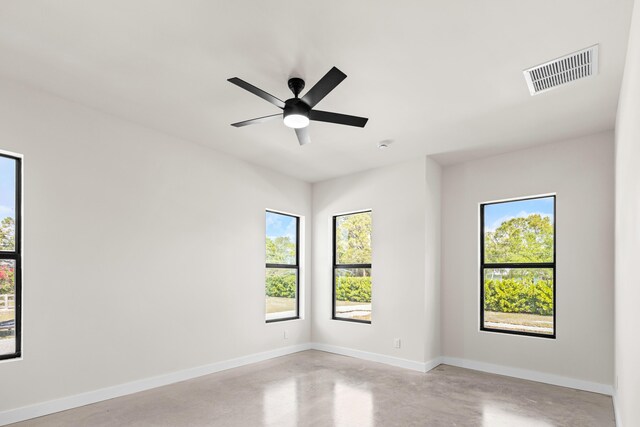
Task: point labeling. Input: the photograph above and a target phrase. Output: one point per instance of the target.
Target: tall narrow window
(352, 267)
(10, 260)
(518, 267)
(283, 270)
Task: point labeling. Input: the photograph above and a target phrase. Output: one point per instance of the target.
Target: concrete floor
(314, 388)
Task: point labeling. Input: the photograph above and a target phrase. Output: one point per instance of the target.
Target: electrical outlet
(285, 335)
(396, 343)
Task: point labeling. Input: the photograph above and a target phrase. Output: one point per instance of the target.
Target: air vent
(560, 71)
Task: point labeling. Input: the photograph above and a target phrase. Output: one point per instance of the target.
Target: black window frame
(16, 255)
(549, 265)
(336, 266)
(295, 267)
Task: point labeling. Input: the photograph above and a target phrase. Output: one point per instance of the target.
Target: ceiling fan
(298, 111)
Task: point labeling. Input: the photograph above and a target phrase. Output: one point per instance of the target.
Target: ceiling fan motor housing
(296, 106)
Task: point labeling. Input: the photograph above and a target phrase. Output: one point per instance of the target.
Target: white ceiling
(437, 77)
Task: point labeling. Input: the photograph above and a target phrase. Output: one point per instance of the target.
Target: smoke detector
(560, 71)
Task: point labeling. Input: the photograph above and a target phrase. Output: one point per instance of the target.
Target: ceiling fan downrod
(296, 85)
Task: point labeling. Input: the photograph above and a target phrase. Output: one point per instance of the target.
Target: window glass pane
(7, 203)
(353, 293)
(519, 299)
(281, 238)
(353, 238)
(7, 307)
(519, 231)
(280, 290)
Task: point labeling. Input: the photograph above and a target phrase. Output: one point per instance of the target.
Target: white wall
(581, 173)
(433, 208)
(143, 254)
(627, 315)
(397, 196)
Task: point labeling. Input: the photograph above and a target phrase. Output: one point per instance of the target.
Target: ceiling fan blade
(259, 92)
(341, 119)
(303, 135)
(323, 87)
(256, 120)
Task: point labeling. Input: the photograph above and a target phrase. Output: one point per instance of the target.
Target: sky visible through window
(496, 214)
(7, 187)
(281, 225)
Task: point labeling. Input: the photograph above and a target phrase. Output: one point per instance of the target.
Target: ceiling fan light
(296, 121)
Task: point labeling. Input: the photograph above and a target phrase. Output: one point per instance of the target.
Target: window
(10, 262)
(518, 267)
(283, 271)
(352, 267)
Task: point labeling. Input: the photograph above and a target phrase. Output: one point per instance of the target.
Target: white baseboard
(75, 401)
(616, 409)
(530, 375)
(376, 357)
